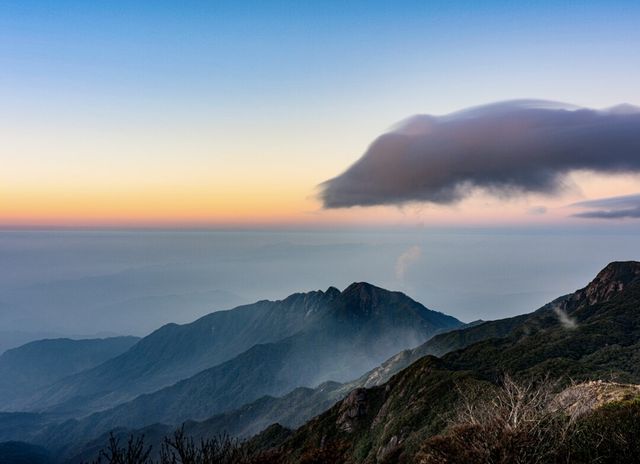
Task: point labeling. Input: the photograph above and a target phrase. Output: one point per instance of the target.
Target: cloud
(406, 259)
(537, 210)
(565, 320)
(622, 207)
(505, 149)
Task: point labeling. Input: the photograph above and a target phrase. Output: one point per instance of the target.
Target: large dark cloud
(508, 148)
(627, 206)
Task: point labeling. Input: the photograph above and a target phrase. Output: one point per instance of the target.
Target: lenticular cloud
(505, 149)
(623, 207)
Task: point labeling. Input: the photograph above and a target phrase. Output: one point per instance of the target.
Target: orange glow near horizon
(256, 204)
(83, 173)
(224, 178)
(182, 114)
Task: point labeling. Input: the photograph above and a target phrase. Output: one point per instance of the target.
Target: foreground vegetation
(514, 423)
(529, 424)
(179, 448)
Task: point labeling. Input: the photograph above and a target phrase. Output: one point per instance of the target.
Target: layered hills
(301, 341)
(37, 364)
(362, 325)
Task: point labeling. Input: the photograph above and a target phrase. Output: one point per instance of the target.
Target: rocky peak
(361, 289)
(614, 278)
(332, 292)
(311, 302)
(361, 299)
(364, 294)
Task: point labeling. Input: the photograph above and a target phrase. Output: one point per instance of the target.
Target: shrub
(330, 453)
(608, 435)
(181, 449)
(511, 425)
(529, 424)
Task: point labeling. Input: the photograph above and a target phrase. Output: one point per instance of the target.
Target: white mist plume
(565, 320)
(406, 259)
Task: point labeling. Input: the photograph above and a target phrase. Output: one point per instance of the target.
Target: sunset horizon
(319, 232)
(229, 122)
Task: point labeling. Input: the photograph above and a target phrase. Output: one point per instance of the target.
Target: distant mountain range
(360, 327)
(15, 338)
(37, 364)
(230, 358)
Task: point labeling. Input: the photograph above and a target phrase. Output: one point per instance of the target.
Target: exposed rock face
(352, 408)
(614, 278)
(584, 397)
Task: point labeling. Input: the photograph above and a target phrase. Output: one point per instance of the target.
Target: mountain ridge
(360, 326)
(38, 363)
(389, 421)
(177, 351)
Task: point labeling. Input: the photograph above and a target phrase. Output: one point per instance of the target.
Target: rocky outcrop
(354, 407)
(582, 398)
(609, 282)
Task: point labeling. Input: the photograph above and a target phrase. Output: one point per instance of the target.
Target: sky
(227, 114)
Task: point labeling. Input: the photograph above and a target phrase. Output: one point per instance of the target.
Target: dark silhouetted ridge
(360, 289)
(610, 281)
(363, 297)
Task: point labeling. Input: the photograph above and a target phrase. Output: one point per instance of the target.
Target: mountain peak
(332, 292)
(610, 281)
(361, 288)
(362, 297)
(364, 300)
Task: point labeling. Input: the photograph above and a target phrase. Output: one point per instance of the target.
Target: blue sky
(279, 87)
(244, 49)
